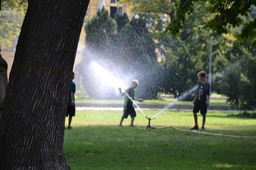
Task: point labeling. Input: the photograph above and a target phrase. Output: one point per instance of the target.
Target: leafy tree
(248, 81)
(226, 13)
(194, 24)
(237, 80)
(128, 54)
(185, 54)
(230, 25)
(229, 84)
(32, 122)
(156, 13)
(232, 79)
(100, 32)
(121, 20)
(176, 65)
(11, 17)
(137, 59)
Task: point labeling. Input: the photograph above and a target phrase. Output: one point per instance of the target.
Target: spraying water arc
(161, 111)
(109, 79)
(177, 99)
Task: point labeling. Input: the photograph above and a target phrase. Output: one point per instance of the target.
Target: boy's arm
(207, 100)
(120, 91)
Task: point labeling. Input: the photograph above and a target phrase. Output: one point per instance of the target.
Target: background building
(112, 6)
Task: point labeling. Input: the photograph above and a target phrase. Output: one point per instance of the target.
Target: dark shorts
(200, 107)
(129, 110)
(71, 111)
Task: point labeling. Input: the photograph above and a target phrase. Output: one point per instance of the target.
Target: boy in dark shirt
(128, 103)
(71, 110)
(201, 101)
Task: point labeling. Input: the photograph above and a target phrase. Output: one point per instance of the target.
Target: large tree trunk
(32, 122)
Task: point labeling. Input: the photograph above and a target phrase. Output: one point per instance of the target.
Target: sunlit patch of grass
(224, 166)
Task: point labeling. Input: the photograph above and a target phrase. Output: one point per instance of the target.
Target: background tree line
(125, 48)
(183, 54)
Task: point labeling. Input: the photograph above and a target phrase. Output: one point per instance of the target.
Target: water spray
(161, 111)
(105, 79)
(172, 103)
(113, 81)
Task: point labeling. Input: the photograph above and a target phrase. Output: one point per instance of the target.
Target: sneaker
(202, 128)
(194, 128)
(70, 127)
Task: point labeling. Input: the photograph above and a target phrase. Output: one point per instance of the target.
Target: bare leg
(121, 121)
(203, 121)
(132, 121)
(195, 118)
(69, 121)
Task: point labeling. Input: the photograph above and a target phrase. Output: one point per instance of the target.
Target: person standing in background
(201, 101)
(71, 109)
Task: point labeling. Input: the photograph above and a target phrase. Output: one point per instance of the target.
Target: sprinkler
(149, 126)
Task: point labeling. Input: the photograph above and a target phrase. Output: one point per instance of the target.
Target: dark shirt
(72, 89)
(203, 90)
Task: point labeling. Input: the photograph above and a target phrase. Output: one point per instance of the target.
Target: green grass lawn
(96, 142)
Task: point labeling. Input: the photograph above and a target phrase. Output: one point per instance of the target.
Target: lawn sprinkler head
(149, 126)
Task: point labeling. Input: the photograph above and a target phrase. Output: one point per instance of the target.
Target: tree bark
(32, 122)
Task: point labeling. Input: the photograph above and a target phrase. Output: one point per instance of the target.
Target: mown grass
(96, 142)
